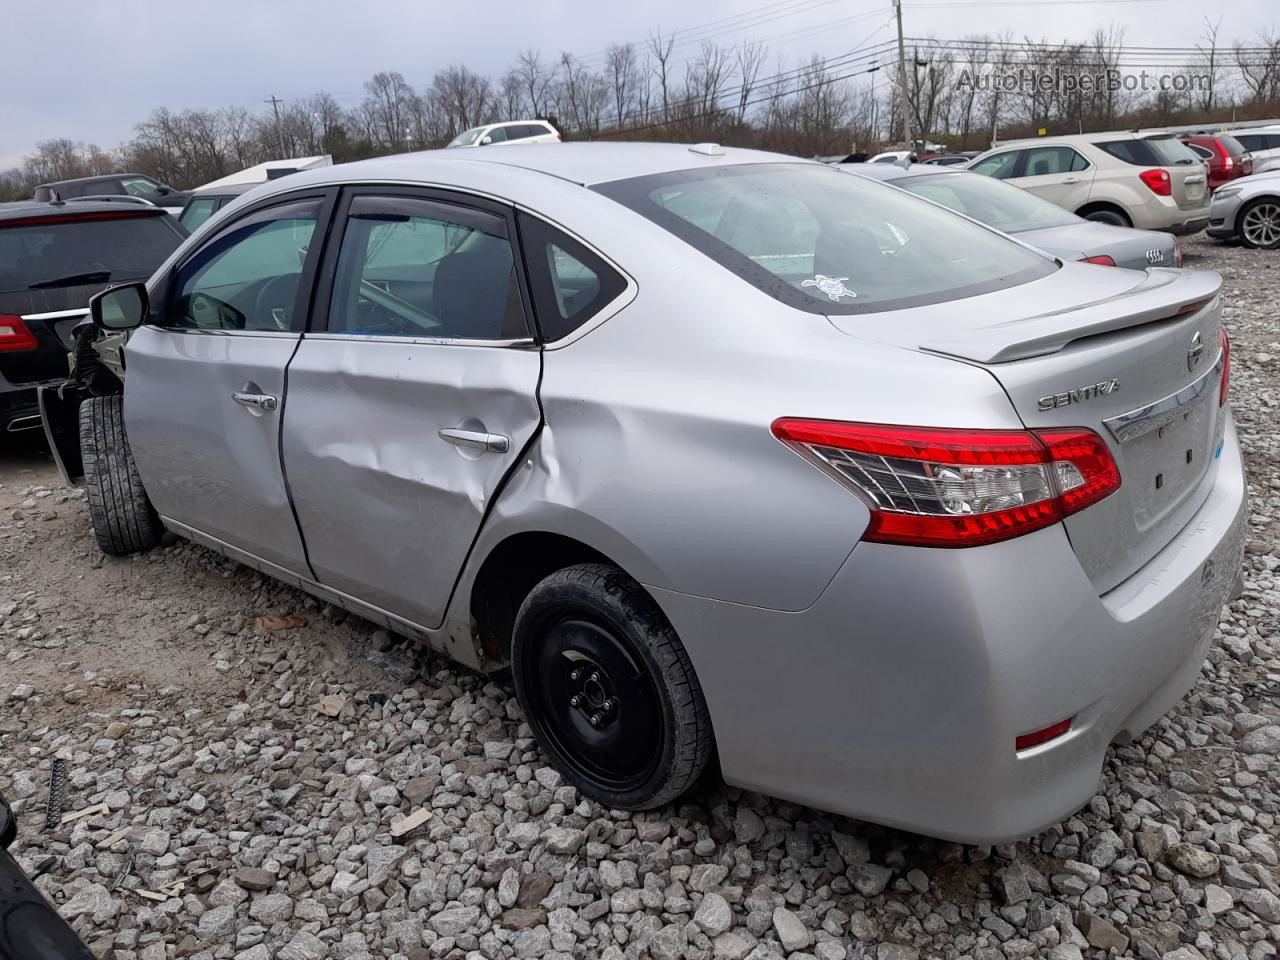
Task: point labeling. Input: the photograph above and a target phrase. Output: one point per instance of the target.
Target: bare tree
(463, 97)
(387, 107)
(537, 80)
(1260, 67)
(749, 55)
(511, 95)
(620, 63)
(1208, 50)
(660, 53)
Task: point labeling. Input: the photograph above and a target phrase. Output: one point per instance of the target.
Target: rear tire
(608, 688)
(123, 519)
(1114, 217)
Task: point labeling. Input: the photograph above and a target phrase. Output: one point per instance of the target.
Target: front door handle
(262, 401)
(1071, 180)
(476, 440)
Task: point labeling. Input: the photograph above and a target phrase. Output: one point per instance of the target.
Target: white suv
(1263, 144)
(510, 131)
(1154, 183)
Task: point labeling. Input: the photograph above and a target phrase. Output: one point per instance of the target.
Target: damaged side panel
(387, 505)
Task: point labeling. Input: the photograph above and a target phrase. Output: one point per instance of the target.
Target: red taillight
(1226, 366)
(957, 488)
(1029, 740)
(1158, 182)
(1103, 261)
(16, 335)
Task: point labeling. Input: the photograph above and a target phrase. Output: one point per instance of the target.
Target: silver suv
(725, 454)
(1151, 182)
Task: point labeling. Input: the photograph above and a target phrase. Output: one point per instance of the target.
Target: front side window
(140, 187)
(570, 283)
(497, 134)
(999, 205)
(999, 166)
(197, 212)
(247, 278)
(823, 241)
(420, 268)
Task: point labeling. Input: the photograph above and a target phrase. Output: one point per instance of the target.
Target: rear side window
(1159, 152)
(570, 283)
(53, 251)
(825, 242)
(1044, 161)
(420, 268)
(999, 166)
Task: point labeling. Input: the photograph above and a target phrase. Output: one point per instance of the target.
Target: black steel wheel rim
(594, 700)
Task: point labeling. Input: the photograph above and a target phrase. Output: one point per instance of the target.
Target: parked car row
(818, 472)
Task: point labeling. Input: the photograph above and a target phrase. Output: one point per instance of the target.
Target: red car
(1226, 156)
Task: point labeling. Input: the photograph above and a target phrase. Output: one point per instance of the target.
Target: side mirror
(122, 307)
(486, 140)
(163, 190)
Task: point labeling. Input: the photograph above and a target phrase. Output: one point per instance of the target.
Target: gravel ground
(247, 759)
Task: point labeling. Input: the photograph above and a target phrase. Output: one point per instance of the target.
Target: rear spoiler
(1161, 295)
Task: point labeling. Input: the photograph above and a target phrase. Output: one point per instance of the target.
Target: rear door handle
(1071, 180)
(475, 440)
(262, 401)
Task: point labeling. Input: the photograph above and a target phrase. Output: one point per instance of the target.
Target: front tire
(124, 521)
(1260, 224)
(608, 688)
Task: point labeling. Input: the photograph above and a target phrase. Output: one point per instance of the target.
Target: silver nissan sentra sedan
(725, 454)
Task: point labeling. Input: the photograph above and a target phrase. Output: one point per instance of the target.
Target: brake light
(942, 487)
(1103, 260)
(1158, 182)
(1226, 366)
(15, 335)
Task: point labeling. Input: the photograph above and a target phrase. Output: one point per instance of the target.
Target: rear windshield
(54, 252)
(1156, 152)
(1231, 145)
(821, 240)
(997, 204)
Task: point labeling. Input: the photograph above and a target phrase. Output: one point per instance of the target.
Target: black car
(203, 204)
(30, 929)
(115, 184)
(53, 257)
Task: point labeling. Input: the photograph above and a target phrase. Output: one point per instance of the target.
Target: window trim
(318, 316)
(305, 299)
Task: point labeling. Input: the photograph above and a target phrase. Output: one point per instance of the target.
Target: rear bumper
(19, 409)
(898, 695)
(1189, 227)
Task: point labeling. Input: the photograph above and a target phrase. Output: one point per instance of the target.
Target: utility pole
(902, 80)
(275, 105)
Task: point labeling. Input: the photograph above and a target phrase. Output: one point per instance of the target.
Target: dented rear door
(411, 398)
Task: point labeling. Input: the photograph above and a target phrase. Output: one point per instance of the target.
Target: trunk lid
(1133, 356)
(1135, 249)
(1190, 184)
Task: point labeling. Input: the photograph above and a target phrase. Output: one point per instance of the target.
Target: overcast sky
(94, 69)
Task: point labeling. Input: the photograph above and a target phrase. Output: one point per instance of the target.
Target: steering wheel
(267, 302)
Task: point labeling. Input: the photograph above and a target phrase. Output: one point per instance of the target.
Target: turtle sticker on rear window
(833, 287)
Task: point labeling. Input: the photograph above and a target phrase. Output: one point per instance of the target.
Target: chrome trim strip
(1141, 421)
(428, 341)
(57, 314)
(193, 331)
(30, 422)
